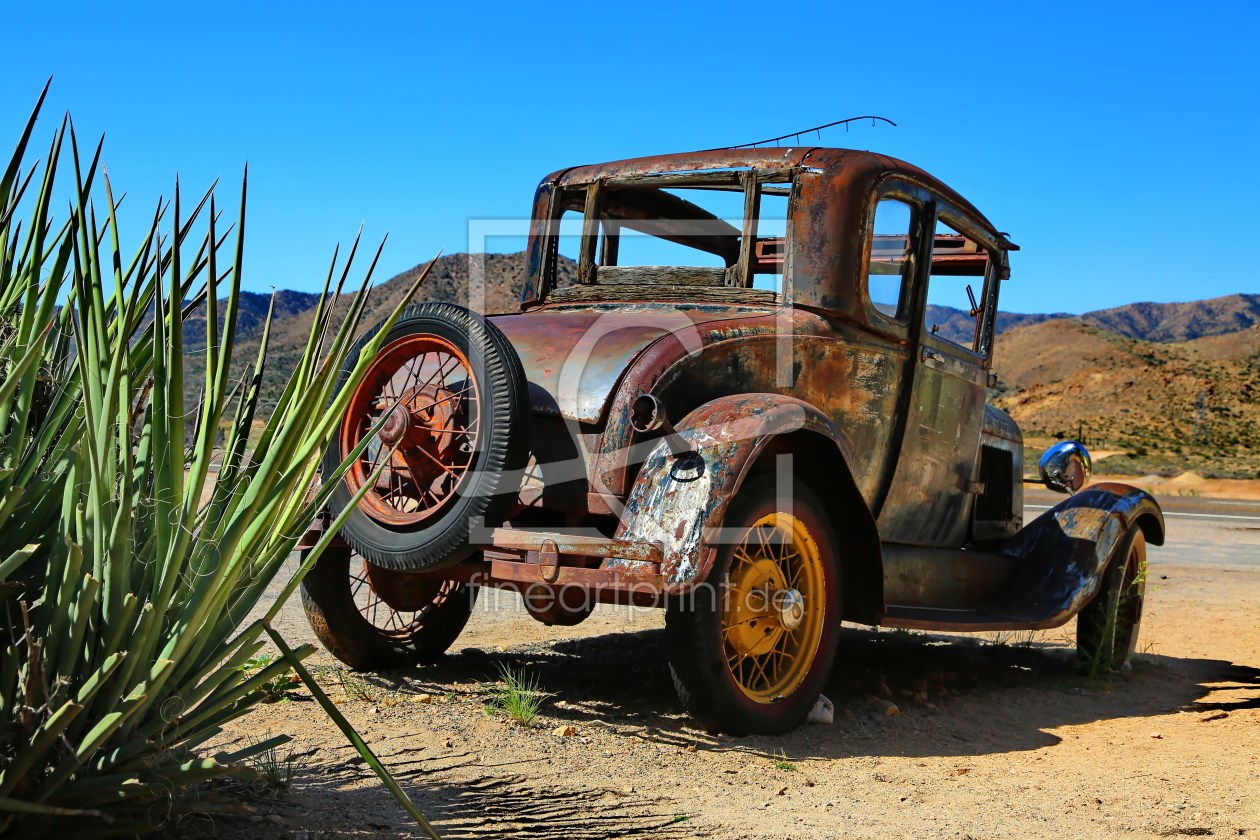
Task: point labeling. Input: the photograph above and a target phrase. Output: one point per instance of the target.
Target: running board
(958, 621)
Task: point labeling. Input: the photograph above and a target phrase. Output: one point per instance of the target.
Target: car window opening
(959, 271)
(889, 268)
(721, 237)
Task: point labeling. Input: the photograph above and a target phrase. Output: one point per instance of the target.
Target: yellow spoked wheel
(751, 645)
(774, 607)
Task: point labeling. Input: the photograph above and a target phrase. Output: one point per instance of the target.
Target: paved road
(1224, 533)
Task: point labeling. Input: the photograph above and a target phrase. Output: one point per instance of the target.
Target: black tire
(698, 651)
(1107, 628)
(502, 446)
(329, 598)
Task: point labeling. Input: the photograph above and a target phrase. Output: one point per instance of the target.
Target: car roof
(839, 161)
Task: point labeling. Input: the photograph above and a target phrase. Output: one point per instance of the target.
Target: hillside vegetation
(1172, 406)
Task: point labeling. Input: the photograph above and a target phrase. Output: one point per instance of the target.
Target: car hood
(574, 357)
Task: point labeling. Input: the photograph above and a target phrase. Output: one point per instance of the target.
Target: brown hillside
(1235, 346)
(1139, 395)
(1054, 350)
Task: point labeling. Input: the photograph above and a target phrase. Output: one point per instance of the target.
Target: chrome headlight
(1066, 467)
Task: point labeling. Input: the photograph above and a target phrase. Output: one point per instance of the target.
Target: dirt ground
(1009, 742)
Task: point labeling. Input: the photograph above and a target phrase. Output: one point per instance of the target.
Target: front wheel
(370, 617)
(1107, 629)
(751, 647)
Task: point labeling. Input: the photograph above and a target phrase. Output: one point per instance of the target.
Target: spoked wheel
(423, 388)
(371, 617)
(752, 647)
(449, 397)
(1107, 629)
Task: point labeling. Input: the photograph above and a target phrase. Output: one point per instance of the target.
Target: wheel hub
(397, 426)
(790, 605)
(756, 623)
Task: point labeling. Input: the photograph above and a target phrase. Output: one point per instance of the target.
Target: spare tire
(453, 395)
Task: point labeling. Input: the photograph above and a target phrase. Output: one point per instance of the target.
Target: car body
(794, 342)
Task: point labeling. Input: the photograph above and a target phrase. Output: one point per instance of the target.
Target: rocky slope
(1173, 406)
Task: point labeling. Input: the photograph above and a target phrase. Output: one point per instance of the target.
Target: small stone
(961, 771)
(690, 748)
(374, 711)
(887, 708)
(1156, 735)
(932, 706)
(274, 819)
(920, 697)
(472, 651)
(824, 711)
(422, 698)
(256, 819)
(848, 713)
(564, 731)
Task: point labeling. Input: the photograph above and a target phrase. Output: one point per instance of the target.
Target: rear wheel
(1107, 629)
(450, 397)
(752, 646)
(370, 617)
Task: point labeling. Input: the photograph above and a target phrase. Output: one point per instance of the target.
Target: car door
(935, 482)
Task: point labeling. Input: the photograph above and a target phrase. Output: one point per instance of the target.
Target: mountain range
(1164, 322)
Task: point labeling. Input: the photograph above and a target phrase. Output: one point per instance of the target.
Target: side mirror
(1066, 467)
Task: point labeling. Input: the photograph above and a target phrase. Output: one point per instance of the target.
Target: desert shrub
(123, 594)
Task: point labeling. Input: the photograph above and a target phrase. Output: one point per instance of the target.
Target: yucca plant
(122, 591)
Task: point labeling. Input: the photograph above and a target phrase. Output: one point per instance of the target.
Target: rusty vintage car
(723, 395)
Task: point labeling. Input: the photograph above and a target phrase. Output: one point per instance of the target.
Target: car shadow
(955, 696)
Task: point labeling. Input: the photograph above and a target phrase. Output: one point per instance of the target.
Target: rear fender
(685, 514)
(1063, 553)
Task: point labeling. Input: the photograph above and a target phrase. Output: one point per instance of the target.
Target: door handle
(930, 355)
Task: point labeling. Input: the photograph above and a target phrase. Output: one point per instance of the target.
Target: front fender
(684, 514)
(1063, 553)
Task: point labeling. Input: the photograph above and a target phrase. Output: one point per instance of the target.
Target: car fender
(684, 513)
(1064, 552)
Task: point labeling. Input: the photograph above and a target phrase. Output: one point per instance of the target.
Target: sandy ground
(1009, 743)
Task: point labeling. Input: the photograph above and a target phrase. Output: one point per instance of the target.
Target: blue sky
(1114, 141)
